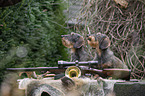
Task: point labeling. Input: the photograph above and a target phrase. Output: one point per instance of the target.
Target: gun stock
(114, 73)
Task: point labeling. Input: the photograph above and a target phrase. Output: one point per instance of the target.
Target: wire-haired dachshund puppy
(105, 56)
(75, 42)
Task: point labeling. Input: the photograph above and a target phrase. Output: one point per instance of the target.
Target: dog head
(98, 40)
(72, 40)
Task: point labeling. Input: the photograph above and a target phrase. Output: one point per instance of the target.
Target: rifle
(85, 68)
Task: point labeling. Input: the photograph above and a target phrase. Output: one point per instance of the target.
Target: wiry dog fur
(75, 42)
(105, 56)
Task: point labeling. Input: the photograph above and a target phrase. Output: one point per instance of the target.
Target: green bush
(30, 34)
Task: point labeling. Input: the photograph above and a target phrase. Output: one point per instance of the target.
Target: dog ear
(72, 33)
(79, 43)
(105, 43)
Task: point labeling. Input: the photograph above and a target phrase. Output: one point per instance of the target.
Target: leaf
(32, 17)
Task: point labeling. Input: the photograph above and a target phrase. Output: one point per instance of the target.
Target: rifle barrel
(31, 69)
(51, 69)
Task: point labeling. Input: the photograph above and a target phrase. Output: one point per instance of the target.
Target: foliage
(30, 34)
(124, 26)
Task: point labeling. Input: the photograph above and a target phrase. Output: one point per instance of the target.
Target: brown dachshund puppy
(105, 56)
(75, 42)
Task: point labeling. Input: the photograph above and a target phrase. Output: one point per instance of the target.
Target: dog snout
(88, 37)
(63, 36)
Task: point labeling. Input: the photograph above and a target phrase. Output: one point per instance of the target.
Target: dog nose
(62, 36)
(89, 39)
(88, 35)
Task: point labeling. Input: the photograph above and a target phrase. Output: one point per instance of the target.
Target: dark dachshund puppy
(105, 56)
(75, 42)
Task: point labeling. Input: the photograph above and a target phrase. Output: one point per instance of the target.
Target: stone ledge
(129, 89)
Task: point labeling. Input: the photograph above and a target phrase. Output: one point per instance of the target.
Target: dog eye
(89, 39)
(77, 38)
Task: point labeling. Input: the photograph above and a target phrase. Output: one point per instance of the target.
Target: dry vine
(124, 26)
